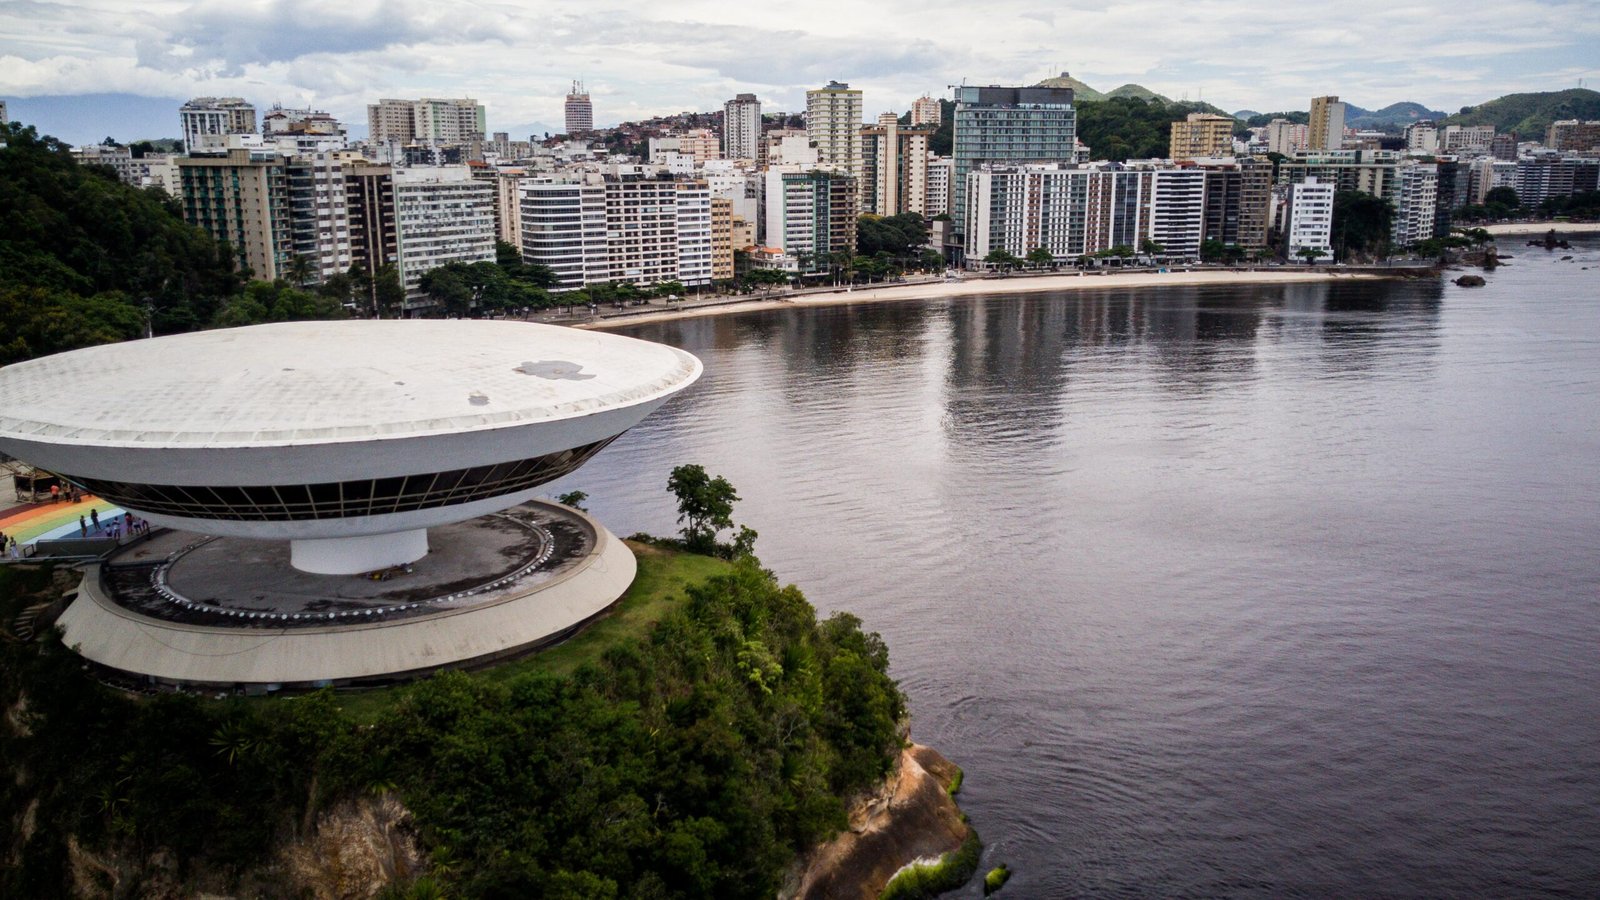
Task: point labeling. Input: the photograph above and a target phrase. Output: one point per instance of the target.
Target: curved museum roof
(299, 383)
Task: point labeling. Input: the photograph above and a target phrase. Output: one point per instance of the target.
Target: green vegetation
(996, 879)
(1124, 128)
(1529, 115)
(943, 140)
(902, 237)
(705, 509)
(955, 783)
(1298, 117)
(85, 259)
(1362, 225)
(953, 870)
(688, 746)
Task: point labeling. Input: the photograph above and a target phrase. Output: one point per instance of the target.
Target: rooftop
(329, 382)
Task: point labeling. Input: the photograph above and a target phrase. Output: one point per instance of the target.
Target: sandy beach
(975, 286)
(1542, 227)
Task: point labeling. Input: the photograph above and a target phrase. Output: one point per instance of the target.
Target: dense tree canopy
(1362, 225)
(903, 236)
(695, 760)
(76, 232)
(1124, 128)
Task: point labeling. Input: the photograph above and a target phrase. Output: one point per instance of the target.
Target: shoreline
(1513, 228)
(939, 290)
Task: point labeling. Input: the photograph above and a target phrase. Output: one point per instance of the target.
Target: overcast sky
(639, 60)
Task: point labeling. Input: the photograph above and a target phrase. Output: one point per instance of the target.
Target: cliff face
(911, 817)
(353, 851)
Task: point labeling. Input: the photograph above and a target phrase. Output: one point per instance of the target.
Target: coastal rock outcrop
(1471, 281)
(911, 817)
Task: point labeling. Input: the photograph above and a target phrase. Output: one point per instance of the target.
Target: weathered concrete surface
(502, 621)
(912, 817)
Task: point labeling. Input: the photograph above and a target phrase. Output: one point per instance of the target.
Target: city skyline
(519, 59)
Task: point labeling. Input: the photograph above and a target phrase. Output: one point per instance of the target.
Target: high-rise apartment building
(1546, 175)
(319, 221)
(1238, 201)
(440, 121)
(205, 121)
(241, 197)
(1416, 203)
(1325, 127)
(1326, 131)
(507, 199)
(1286, 137)
(940, 173)
(721, 238)
(894, 169)
(417, 219)
(1008, 124)
(1201, 135)
(1573, 134)
(580, 112)
(741, 128)
(810, 215)
(623, 226)
(833, 124)
(1073, 210)
(925, 110)
(1067, 209)
(1368, 171)
(1308, 218)
(1466, 140)
(1422, 137)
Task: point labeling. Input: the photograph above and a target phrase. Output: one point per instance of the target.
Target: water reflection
(1273, 591)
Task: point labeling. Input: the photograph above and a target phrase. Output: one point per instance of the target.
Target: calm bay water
(1267, 591)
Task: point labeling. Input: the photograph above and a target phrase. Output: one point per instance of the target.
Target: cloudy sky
(77, 62)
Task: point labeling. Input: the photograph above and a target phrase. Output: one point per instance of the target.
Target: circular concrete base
(197, 611)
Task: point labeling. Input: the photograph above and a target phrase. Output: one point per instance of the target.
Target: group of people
(8, 545)
(71, 494)
(117, 526)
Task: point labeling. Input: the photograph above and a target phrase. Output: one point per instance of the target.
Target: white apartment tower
(1308, 220)
(833, 123)
(1416, 203)
(941, 171)
(741, 128)
(442, 215)
(205, 121)
(1422, 137)
(592, 228)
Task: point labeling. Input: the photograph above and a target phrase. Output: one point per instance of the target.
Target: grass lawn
(662, 576)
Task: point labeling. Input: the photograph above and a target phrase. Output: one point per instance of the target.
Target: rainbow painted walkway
(48, 521)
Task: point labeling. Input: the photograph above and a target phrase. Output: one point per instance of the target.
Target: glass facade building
(1009, 124)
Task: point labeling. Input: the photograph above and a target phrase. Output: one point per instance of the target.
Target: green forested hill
(1529, 115)
(1129, 128)
(693, 757)
(80, 252)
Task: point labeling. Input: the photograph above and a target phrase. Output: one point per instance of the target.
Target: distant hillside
(1081, 92)
(1138, 92)
(1403, 113)
(1244, 114)
(1529, 115)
